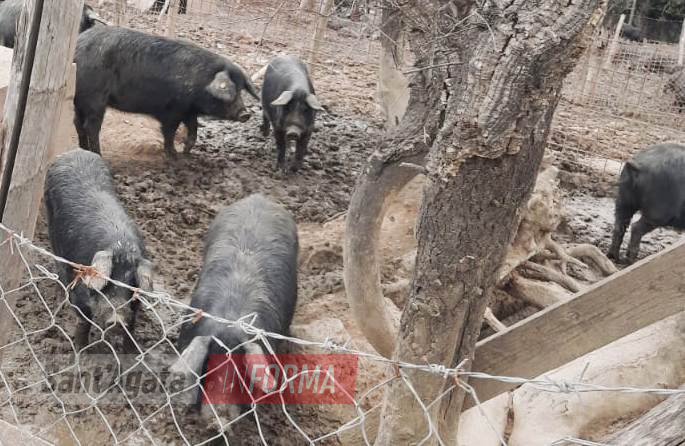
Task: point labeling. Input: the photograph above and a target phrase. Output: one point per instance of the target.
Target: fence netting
(122, 389)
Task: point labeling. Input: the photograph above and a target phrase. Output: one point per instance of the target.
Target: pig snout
(116, 321)
(293, 133)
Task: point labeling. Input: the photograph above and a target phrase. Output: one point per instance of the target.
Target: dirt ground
(173, 202)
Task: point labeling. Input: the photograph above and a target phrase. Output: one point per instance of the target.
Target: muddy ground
(173, 202)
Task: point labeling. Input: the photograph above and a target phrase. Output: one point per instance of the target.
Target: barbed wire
(16, 243)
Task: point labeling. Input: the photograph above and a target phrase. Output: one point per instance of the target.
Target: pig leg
(191, 125)
(80, 299)
(81, 131)
(637, 231)
(623, 215)
(90, 123)
(266, 126)
(129, 343)
(281, 146)
(301, 150)
(169, 128)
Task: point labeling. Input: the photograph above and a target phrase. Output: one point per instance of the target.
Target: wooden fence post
(681, 45)
(632, 12)
(320, 31)
(172, 12)
(49, 85)
(614, 42)
(120, 18)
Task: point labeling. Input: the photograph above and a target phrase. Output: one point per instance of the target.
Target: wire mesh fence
(122, 387)
(622, 96)
(321, 32)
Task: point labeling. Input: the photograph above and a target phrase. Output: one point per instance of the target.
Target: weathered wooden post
(120, 18)
(320, 31)
(681, 45)
(632, 12)
(614, 42)
(172, 12)
(52, 66)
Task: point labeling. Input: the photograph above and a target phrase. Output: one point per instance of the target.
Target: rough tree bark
(481, 110)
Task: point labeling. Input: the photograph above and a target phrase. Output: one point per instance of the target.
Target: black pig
(250, 267)
(652, 182)
(632, 33)
(88, 225)
(170, 80)
(10, 10)
(289, 104)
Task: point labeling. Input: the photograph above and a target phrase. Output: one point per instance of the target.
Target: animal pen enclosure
(613, 104)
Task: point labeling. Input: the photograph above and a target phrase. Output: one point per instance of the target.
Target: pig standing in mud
(88, 225)
(170, 80)
(10, 10)
(652, 182)
(289, 104)
(250, 268)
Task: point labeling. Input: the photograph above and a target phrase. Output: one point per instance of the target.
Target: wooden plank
(65, 123)
(49, 86)
(5, 70)
(663, 425)
(644, 293)
(613, 45)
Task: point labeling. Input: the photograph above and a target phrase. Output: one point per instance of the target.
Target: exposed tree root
(493, 322)
(537, 293)
(540, 272)
(597, 257)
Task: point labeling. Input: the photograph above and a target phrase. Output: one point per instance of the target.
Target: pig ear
(222, 87)
(102, 262)
(283, 99)
(144, 275)
(93, 16)
(313, 102)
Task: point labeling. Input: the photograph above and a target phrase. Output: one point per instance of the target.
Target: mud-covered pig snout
(293, 133)
(117, 320)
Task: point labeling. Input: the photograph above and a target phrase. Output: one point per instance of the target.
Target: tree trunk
(49, 85)
(664, 425)
(481, 106)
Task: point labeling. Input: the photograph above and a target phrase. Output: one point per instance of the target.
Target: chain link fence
(106, 393)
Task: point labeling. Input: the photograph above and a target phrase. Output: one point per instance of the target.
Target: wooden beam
(644, 293)
(663, 425)
(49, 85)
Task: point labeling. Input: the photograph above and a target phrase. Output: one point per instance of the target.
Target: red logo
(280, 379)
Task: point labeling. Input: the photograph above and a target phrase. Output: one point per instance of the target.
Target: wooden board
(5, 70)
(663, 425)
(644, 293)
